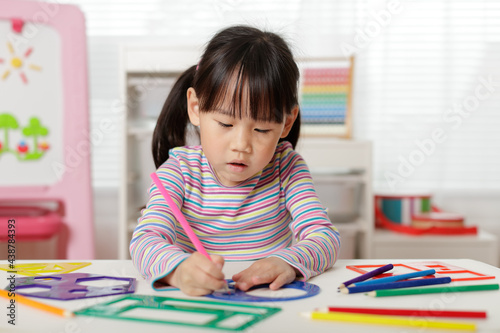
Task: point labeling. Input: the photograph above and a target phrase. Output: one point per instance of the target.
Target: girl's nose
(242, 141)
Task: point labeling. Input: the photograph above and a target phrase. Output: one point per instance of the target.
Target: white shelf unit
(391, 245)
(338, 167)
(147, 74)
(334, 163)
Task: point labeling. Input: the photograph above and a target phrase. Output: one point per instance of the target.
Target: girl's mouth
(237, 166)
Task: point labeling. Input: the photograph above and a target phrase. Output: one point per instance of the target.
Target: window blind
(427, 76)
(428, 95)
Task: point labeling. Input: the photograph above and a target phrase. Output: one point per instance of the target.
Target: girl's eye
(262, 130)
(224, 125)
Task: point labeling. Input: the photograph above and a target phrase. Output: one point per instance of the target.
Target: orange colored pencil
(35, 304)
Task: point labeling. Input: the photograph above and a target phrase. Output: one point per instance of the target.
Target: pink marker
(182, 220)
(178, 215)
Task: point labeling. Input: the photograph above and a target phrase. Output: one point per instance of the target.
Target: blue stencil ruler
(236, 295)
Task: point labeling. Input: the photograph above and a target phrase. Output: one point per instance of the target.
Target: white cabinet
(341, 169)
(342, 174)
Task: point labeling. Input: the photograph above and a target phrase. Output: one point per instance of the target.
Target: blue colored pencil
(396, 285)
(368, 275)
(395, 278)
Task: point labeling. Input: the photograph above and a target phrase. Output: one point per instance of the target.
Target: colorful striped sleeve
(152, 246)
(318, 241)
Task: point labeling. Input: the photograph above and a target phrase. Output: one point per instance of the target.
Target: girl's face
(237, 149)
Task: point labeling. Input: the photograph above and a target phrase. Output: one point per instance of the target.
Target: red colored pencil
(410, 312)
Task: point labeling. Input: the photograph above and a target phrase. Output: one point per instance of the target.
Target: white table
(287, 320)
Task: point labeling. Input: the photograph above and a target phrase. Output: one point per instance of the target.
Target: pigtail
(170, 130)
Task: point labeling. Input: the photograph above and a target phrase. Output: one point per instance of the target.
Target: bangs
(256, 82)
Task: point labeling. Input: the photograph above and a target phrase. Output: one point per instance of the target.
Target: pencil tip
(344, 291)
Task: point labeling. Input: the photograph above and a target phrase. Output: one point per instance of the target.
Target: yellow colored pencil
(35, 304)
(389, 320)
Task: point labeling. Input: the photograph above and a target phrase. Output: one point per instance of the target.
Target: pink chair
(45, 186)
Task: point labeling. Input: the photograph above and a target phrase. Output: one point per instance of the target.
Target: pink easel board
(31, 87)
(43, 75)
(44, 116)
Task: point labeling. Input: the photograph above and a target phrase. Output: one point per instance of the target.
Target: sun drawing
(17, 63)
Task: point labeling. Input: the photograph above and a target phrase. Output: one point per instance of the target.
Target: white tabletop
(287, 320)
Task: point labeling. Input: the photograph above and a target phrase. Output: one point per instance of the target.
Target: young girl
(245, 191)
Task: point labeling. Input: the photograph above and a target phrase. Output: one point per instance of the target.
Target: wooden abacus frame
(329, 129)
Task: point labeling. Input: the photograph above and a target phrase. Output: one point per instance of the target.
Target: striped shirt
(255, 219)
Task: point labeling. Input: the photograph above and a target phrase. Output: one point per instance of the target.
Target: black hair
(238, 60)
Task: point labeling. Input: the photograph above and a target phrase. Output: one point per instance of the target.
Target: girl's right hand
(198, 276)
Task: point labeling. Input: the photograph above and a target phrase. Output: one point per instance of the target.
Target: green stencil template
(179, 311)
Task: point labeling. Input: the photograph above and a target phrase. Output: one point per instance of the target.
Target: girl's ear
(193, 108)
(290, 119)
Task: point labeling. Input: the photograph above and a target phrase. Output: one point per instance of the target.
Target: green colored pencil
(433, 290)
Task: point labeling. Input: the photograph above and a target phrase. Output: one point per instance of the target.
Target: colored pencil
(37, 305)
(179, 216)
(182, 220)
(409, 312)
(433, 290)
(367, 275)
(389, 320)
(397, 277)
(396, 285)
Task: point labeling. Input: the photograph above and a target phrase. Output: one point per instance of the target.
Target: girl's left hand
(272, 270)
